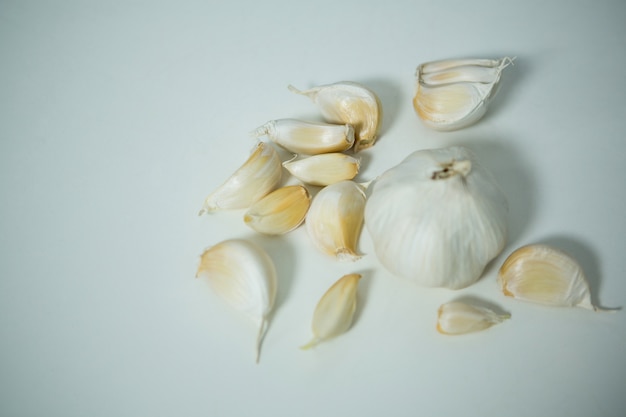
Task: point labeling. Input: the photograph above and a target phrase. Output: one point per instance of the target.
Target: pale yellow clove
(280, 211)
(335, 219)
(310, 138)
(456, 318)
(545, 275)
(259, 175)
(334, 312)
(324, 169)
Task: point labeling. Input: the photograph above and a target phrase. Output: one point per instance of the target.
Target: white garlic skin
(545, 275)
(452, 94)
(352, 103)
(437, 218)
(258, 176)
(244, 275)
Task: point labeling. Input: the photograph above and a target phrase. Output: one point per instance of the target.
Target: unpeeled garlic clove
(280, 211)
(310, 138)
(244, 275)
(259, 175)
(335, 219)
(324, 169)
(335, 311)
(456, 318)
(544, 275)
(452, 94)
(351, 103)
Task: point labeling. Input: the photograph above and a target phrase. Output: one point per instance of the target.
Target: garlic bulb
(259, 175)
(351, 103)
(280, 211)
(545, 275)
(453, 94)
(335, 219)
(335, 311)
(309, 138)
(244, 275)
(456, 318)
(324, 169)
(437, 218)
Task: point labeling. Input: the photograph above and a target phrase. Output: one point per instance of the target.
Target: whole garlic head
(437, 218)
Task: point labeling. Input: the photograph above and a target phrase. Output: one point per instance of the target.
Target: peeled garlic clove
(259, 175)
(544, 275)
(335, 219)
(437, 218)
(280, 211)
(335, 311)
(453, 94)
(308, 137)
(352, 103)
(244, 275)
(459, 318)
(324, 169)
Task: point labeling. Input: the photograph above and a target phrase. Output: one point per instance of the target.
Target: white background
(118, 118)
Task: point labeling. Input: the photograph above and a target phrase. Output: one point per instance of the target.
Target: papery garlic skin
(544, 275)
(334, 312)
(437, 218)
(324, 169)
(280, 211)
(455, 318)
(335, 219)
(310, 138)
(453, 94)
(244, 275)
(259, 175)
(351, 103)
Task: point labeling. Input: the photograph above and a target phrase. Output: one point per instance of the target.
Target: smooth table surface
(118, 118)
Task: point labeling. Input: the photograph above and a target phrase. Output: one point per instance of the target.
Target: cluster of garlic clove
(452, 94)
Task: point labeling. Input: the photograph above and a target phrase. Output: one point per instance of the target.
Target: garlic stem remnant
(259, 175)
(456, 318)
(545, 275)
(453, 94)
(309, 138)
(335, 311)
(351, 103)
(324, 169)
(437, 218)
(244, 275)
(280, 211)
(335, 219)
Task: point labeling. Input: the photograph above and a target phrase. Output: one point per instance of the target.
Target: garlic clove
(244, 275)
(334, 312)
(452, 94)
(335, 219)
(351, 103)
(324, 169)
(544, 275)
(456, 318)
(280, 211)
(259, 175)
(309, 138)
